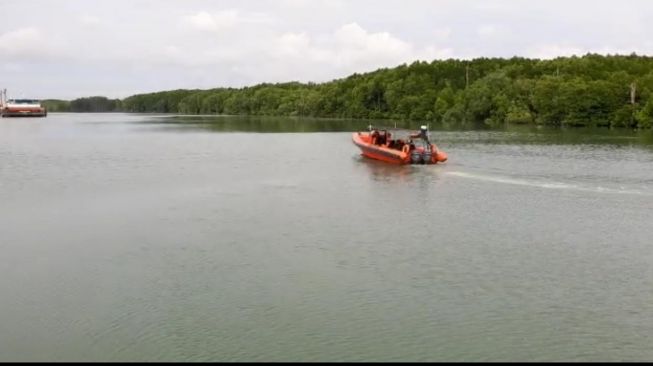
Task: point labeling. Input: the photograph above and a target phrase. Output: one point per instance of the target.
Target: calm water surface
(137, 238)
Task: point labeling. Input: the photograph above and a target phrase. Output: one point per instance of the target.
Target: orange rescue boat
(380, 145)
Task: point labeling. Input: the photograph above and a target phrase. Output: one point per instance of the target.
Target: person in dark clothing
(375, 137)
(422, 134)
(383, 138)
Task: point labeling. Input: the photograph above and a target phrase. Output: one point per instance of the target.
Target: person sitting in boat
(375, 136)
(383, 138)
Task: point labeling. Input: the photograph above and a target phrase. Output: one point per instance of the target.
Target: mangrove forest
(591, 90)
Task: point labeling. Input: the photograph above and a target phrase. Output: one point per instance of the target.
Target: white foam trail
(547, 185)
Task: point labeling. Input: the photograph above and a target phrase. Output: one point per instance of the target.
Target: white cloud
(353, 35)
(25, 42)
(217, 21)
(347, 49)
(432, 53)
(291, 44)
(489, 31)
(550, 51)
(12, 67)
(276, 57)
(198, 43)
(442, 34)
(348, 46)
(204, 21)
(355, 48)
(89, 20)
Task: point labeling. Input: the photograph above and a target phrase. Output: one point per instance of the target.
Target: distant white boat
(20, 107)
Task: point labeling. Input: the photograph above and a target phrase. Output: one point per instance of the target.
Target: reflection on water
(265, 124)
(395, 173)
(383, 171)
(557, 136)
(507, 135)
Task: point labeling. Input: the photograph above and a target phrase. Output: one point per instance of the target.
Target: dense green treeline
(90, 104)
(56, 105)
(592, 90)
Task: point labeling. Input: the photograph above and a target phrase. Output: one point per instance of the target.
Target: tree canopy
(90, 104)
(592, 90)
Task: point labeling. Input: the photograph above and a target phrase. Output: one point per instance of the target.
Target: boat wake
(547, 185)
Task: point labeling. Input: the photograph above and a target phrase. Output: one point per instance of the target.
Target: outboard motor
(421, 155)
(416, 157)
(426, 157)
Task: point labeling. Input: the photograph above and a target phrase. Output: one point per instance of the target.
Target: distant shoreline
(588, 91)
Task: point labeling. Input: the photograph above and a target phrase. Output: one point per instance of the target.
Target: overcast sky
(75, 48)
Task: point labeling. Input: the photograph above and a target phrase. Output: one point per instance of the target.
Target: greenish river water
(161, 238)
